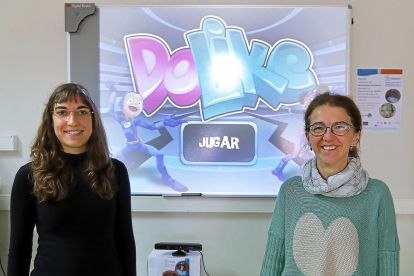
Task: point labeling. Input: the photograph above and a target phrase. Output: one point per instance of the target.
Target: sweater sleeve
(22, 222)
(389, 247)
(124, 235)
(274, 258)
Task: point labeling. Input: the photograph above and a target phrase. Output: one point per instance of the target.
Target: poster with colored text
(379, 98)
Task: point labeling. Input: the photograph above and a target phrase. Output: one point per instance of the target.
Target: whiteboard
(233, 135)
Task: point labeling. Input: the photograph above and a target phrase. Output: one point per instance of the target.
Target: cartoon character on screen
(301, 146)
(131, 106)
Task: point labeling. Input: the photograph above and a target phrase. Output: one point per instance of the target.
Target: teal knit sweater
(316, 235)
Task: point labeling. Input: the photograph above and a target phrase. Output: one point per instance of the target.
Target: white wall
(33, 62)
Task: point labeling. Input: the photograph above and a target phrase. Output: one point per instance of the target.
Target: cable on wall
(202, 259)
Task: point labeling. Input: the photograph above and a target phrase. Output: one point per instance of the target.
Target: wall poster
(379, 98)
(209, 100)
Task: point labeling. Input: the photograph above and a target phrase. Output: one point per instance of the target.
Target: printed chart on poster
(210, 100)
(379, 98)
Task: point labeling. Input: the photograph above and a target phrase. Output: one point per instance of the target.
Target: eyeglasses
(339, 129)
(65, 114)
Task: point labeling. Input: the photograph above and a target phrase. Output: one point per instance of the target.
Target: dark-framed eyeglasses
(338, 128)
(64, 114)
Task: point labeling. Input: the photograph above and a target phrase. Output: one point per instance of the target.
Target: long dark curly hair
(51, 176)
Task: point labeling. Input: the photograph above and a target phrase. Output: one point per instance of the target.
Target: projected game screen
(210, 100)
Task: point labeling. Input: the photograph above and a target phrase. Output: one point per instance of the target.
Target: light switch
(8, 142)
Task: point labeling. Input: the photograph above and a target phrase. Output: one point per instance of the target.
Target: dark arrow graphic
(276, 138)
(140, 157)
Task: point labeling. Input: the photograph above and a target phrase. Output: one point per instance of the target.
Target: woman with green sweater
(335, 219)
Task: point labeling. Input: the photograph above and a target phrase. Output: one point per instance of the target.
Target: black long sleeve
(124, 235)
(22, 222)
(81, 235)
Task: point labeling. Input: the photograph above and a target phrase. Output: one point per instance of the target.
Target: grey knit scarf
(349, 182)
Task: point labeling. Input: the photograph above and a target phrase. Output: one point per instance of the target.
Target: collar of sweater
(74, 158)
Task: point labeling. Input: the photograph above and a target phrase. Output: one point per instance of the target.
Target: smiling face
(73, 132)
(331, 151)
(133, 105)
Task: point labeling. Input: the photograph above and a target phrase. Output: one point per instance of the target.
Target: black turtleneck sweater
(80, 235)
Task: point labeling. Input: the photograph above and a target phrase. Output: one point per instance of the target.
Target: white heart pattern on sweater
(320, 252)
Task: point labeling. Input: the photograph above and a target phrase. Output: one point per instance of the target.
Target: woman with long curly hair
(74, 193)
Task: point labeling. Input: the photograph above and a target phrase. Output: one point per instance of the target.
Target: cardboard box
(163, 263)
